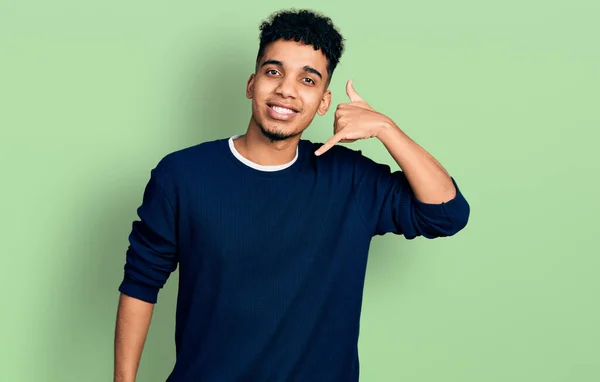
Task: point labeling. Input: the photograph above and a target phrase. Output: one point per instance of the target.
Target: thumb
(354, 97)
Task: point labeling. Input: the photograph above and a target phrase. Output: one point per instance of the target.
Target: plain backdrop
(504, 94)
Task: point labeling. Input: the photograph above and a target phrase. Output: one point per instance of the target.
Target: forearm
(428, 179)
(133, 322)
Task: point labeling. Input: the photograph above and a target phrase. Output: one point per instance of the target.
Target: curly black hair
(306, 26)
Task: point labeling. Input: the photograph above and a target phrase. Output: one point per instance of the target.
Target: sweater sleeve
(152, 253)
(387, 204)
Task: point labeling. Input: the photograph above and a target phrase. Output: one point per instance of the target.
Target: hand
(354, 120)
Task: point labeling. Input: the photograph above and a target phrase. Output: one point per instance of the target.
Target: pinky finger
(329, 144)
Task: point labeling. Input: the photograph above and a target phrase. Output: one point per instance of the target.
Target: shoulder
(192, 156)
(186, 163)
(335, 153)
(342, 155)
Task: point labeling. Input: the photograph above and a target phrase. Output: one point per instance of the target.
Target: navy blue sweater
(271, 264)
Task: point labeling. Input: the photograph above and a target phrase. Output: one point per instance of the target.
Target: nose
(287, 87)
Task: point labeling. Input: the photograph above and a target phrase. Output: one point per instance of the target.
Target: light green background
(505, 94)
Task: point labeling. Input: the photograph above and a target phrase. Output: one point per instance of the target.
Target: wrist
(387, 129)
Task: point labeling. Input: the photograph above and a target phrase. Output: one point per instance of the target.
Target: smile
(281, 113)
(282, 110)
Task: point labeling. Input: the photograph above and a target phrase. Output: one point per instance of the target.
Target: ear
(250, 87)
(325, 102)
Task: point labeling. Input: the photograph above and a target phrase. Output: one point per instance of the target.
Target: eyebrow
(306, 68)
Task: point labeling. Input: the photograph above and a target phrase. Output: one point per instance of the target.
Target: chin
(276, 130)
(276, 135)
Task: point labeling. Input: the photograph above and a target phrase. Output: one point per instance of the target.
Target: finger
(352, 94)
(338, 113)
(329, 144)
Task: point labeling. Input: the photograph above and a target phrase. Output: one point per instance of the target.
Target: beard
(275, 136)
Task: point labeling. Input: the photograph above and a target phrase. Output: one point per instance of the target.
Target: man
(271, 232)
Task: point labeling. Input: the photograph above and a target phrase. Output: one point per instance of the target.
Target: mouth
(282, 112)
(283, 109)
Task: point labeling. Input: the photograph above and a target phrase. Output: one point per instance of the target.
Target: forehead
(295, 55)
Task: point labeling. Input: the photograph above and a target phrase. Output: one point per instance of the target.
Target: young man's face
(288, 89)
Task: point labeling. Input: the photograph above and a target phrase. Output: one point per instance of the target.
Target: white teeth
(282, 110)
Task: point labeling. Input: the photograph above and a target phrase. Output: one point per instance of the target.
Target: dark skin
(291, 75)
(294, 76)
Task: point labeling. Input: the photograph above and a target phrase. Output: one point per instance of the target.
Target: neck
(259, 149)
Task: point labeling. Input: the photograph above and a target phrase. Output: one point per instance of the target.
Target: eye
(309, 80)
(272, 71)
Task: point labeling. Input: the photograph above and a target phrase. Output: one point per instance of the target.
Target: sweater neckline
(284, 170)
(257, 166)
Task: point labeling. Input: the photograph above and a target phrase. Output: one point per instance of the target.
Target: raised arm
(420, 200)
